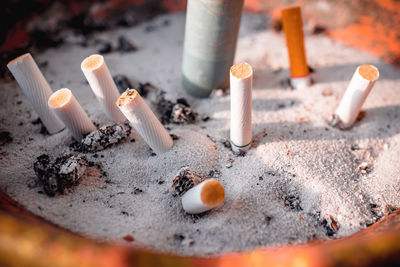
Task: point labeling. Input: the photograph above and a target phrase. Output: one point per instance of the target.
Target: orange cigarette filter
(293, 28)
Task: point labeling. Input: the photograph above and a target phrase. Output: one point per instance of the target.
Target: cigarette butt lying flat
(36, 89)
(71, 113)
(204, 196)
(241, 79)
(361, 83)
(293, 28)
(103, 86)
(144, 121)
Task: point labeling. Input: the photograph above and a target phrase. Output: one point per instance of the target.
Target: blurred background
(372, 25)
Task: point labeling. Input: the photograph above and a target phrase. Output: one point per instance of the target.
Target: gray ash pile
(59, 175)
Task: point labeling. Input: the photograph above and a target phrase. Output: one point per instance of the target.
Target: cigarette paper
(241, 90)
(144, 121)
(360, 85)
(103, 86)
(204, 196)
(293, 27)
(211, 34)
(36, 89)
(71, 113)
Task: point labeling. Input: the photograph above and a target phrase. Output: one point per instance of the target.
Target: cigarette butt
(37, 90)
(103, 86)
(204, 196)
(211, 33)
(71, 113)
(360, 86)
(144, 121)
(241, 78)
(293, 28)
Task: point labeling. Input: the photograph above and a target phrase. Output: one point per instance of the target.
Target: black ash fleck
(5, 137)
(226, 143)
(144, 88)
(137, 190)
(174, 137)
(122, 83)
(124, 45)
(43, 129)
(105, 47)
(336, 122)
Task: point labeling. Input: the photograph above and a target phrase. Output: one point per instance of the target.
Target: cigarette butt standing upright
(144, 121)
(293, 28)
(211, 33)
(241, 90)
(361, 83)
(204, 196)
(36, 89)
(103, 86)
(71, 113)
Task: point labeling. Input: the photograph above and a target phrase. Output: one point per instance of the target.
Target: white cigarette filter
(71, 113)
(300, 82)
(103, 86)
(144, 121)
(241, 79)
(204, 196)
(37, 90)
(354, 97)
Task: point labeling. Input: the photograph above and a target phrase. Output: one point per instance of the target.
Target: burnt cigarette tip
(126, 97)
(18, 58)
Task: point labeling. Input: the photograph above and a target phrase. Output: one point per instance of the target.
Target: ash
(105, 137)
(61, 174)
(298, 181)
(336, 122)
(178, 112)
(185, 179)
(182, 114)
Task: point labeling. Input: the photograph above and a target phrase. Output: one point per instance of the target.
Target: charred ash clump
(336, 122)
(293, 202)
(185, 179)
(61, 174)
(5, 137)
(43, 129)
(103, 138)
(122, 83)
(178, 112)
(124, 45)
(144, 88)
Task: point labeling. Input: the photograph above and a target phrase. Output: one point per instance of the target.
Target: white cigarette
(71, 113)
(103, 86)
(36, 89)
(300, 82)
(241, 78)
(144, 121)
(354, 97)
(204, 196)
